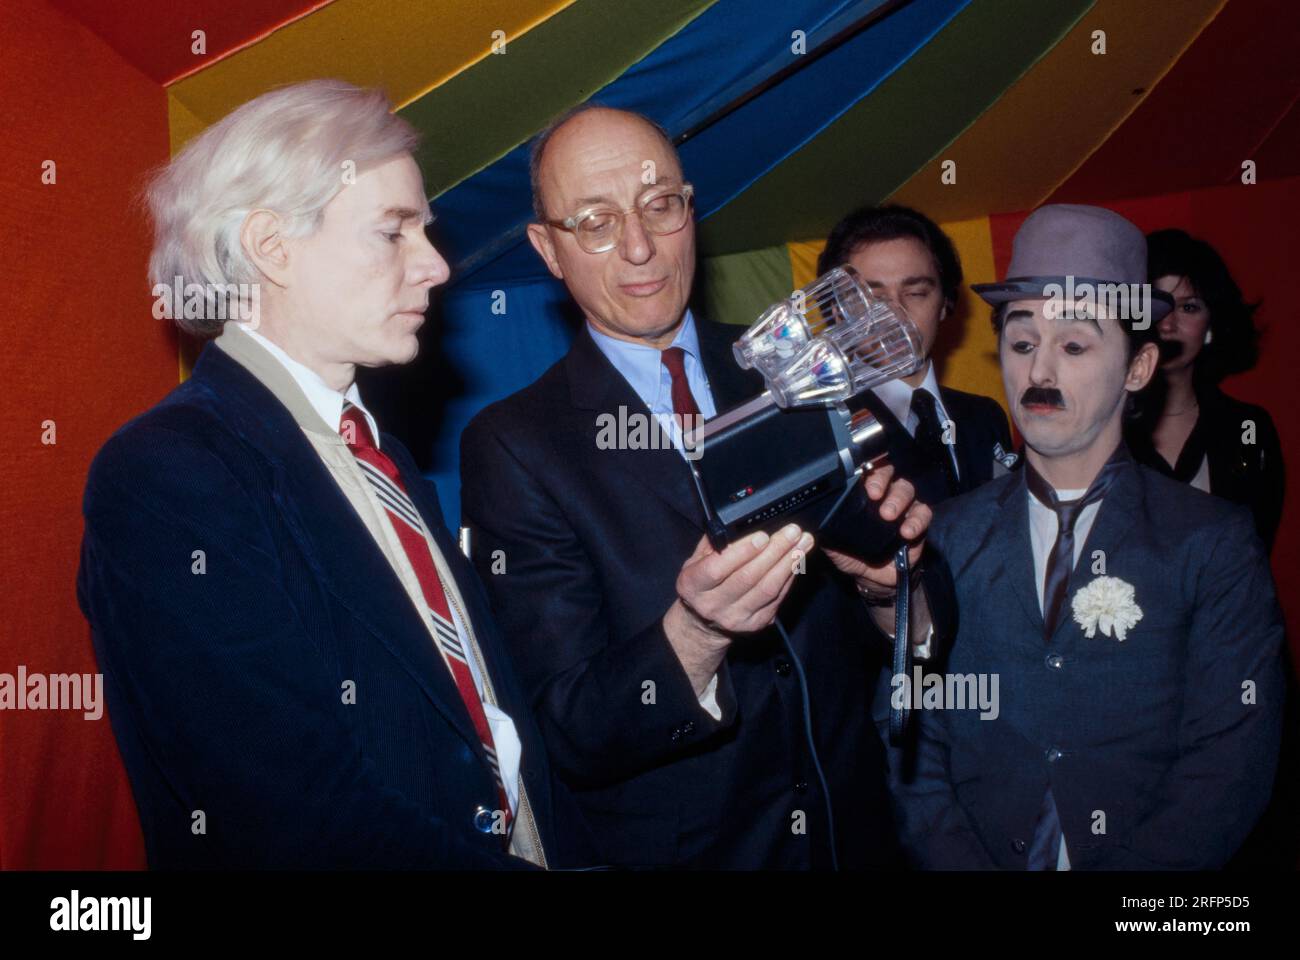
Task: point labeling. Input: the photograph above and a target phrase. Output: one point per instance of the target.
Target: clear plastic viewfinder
(786, 328)
(849, 359)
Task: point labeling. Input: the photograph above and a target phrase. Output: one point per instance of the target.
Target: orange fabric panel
(83, 351)
(1252, 227)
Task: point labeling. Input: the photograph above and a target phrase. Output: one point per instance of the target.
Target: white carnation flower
(1106, 603)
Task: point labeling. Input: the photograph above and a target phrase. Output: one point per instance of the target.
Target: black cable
(812, 745)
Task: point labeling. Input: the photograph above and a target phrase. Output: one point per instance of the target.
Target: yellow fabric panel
(1047, 123)
(405, 47)
(966, 352)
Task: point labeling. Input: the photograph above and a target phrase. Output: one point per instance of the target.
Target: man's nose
(1042, 368)
(636, 245)
(428, 266)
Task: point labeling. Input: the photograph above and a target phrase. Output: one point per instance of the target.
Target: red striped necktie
(387, 484)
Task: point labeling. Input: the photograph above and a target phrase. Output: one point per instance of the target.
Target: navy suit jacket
(226, 687)
(580, 548)
(1153, 759)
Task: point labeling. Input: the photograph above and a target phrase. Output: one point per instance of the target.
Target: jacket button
(801, 787)
(688, 728)
(1054, 754)
(483, 818)
(1018, 846)
(1055, 661)
(783, 668)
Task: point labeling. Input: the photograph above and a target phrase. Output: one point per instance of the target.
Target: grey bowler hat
(1090, 244)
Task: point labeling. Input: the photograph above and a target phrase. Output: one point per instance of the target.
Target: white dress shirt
(897, 397)
(643, 368)
(328, 402)
(1043, 526)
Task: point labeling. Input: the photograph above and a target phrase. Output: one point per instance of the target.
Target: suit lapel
(598, 389)
(1017, 558)
(971, 471)
(335, 543)
(728, 383)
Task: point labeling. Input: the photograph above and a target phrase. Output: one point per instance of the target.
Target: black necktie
(929, 437)
(1061, 560)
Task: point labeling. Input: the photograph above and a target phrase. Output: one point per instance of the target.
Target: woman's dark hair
(1234, 342)
(892, 222)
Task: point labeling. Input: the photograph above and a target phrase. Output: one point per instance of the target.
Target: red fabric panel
(1254, 229)
(1210, 112)
(156, 36)
(83, 350)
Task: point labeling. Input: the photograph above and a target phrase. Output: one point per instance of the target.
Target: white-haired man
(301, 669)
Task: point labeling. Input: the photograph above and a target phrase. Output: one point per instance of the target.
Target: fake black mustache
(1042, 396)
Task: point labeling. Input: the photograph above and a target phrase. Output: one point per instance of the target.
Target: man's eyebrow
(1019, 315)
(662, 181)
(424, 215)
(912, 281)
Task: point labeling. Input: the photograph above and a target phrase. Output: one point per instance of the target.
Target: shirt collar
(641, 364)
(324, 399)
(897, 395)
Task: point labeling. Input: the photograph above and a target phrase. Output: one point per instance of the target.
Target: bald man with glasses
(692, 734)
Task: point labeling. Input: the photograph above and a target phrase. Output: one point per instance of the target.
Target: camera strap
(899, 716)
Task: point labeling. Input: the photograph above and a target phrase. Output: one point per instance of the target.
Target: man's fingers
(709, 571)
(878, 481)
(899, 497)
(916, 521)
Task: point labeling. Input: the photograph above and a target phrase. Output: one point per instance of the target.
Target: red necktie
(388, 486)
(683, 403)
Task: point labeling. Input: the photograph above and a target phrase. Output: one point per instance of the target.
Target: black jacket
(225, 690)
(580, 548)
(980, 426)
(1251, 474)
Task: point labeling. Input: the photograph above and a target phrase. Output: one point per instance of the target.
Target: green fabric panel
(486, 111)
(737, 287)
(873, 149)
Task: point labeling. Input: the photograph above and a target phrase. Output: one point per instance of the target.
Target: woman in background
(1199, 434)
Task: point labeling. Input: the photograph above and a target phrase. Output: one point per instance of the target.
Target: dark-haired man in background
(945, 441)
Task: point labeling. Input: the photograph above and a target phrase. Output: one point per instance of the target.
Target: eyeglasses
(600, 228)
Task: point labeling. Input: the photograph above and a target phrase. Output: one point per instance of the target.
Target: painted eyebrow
(425, 216)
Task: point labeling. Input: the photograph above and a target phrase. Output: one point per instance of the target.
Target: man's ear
(540, 237)
(263, 242)
(1142, 367)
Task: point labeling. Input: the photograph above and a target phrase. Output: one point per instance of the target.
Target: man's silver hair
(543, 138)
(287, 151)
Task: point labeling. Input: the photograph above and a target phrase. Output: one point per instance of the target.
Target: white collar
(324, 399)
(897, 395)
